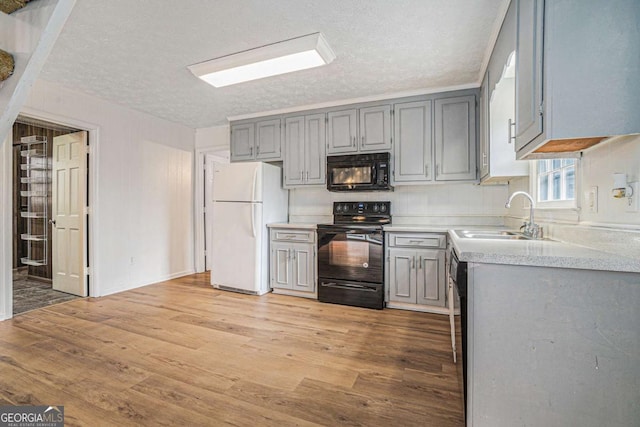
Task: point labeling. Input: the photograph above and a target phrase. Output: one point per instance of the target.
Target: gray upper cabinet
(497, 109)
(256, 140)
(575, 85)
(294, 151)
(413, 137)
(529, 71)
(341, 132)
(484, 127)
(305, 155)
(268, 139)
(375, 128)
(455, 138)
(315, 153)
(366, 129)
(242, 142)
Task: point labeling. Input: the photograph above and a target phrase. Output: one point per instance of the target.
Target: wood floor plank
(182, 353)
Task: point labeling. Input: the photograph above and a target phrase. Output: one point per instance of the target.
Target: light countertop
(540, 253)
(537, 253)
(302, 226)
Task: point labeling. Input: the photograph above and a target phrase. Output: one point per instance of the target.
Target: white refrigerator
(246, 197)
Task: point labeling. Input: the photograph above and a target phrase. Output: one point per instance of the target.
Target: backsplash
(450, 204)
(611, 228)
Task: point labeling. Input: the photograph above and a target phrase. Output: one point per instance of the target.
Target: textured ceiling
(135, 53)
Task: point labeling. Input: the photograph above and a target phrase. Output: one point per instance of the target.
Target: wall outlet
(591, 200)
(633, 202)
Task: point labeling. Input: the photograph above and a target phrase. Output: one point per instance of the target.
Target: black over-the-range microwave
(358, 172)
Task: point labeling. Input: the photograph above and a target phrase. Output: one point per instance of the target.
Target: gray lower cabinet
(305, 156)
(259, 140)
(367, 129)
(413, 142)
(293, 262)
(455, 139)
(552, 347)
(416, 271)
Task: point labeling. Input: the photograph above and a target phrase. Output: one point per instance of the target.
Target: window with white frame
(556, 182)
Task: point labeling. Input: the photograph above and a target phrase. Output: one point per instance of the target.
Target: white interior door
(69, 189)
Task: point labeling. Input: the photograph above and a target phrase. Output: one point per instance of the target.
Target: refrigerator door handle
(253, 219)
(253, 190)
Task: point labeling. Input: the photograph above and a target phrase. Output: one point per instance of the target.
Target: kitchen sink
(491, 234)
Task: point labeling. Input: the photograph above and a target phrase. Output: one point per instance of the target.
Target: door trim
(6, 230)
(222, 153)
(91, 222)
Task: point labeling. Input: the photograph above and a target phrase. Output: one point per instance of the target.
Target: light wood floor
(180, 353)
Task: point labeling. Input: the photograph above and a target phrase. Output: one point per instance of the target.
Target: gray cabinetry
(575, 85)
(552, 347)
(497, 109)
(342, 132)
(305, 157)
(416, 271)
(242, 142)
(455, 139)
(413, 142)
(293, 261)
(256, 140)
(268, 139)
(375, 128)
(483, 140)
(529, 71)
(359, 130)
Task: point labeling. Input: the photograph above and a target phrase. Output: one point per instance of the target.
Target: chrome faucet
(531, 229)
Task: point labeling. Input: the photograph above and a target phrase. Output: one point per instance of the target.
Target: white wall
(213, 138)
(144, 218)
(449, 204)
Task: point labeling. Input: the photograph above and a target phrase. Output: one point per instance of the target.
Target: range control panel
(361, 208)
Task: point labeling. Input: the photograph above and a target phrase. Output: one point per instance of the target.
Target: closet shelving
(35, 191)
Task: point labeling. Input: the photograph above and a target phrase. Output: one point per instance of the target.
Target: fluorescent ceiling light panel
(279, 58)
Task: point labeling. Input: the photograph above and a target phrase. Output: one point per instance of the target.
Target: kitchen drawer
(417, 240)
(293, 235)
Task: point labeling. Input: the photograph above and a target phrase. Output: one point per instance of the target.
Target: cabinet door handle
(362, 142)
(257, 150)
(353, 144)
(307, 175)
(251, 151)
(420, 264)
(426, 170)
(512, 136)
(413, 262)
(301, 176)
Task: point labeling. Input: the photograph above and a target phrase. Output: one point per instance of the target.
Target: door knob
(52, 222)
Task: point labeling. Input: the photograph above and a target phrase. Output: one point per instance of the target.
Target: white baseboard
(159, 279)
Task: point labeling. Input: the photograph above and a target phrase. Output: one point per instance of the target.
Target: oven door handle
(350, 286)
